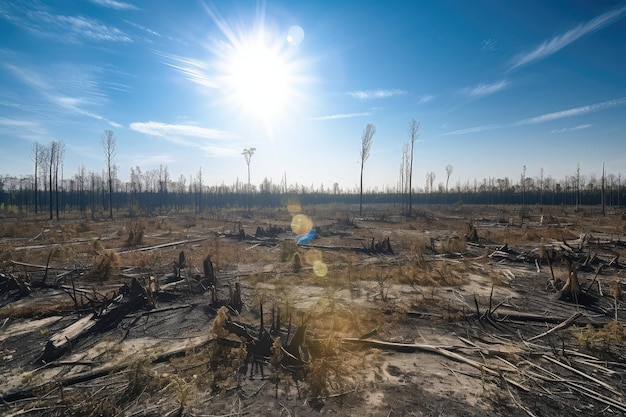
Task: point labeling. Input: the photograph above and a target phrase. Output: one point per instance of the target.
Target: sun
(258, 69)
(259, 80)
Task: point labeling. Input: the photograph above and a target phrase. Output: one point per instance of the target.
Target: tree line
(101, 194)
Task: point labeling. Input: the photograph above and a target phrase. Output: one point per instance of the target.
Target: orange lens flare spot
(301, 224)
(320, 269)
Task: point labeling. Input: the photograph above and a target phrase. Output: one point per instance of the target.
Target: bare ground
(447, 323)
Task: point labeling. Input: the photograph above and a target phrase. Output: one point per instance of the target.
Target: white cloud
(475, 129)
(425, 99)
(576, 111)
(23, 129)
(143, 28)
(194, 70)
(80, 90)
(170, 131)
(489, 45)
(379, 93)
(571, 129)
(483, 89)
(71, 29)
(559, 42)
(342, 116)
(117, 5)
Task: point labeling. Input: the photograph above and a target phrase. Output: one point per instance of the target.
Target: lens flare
(301, 224)
(320, 269)
(293, 205)
(295, 35)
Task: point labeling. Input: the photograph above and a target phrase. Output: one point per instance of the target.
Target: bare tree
(430, 179)
(81, 179)
(247, 154)
(449, 171)
(541, 186)
(38, 154)
(51, 154)
(55, 156)
(108, 146)
(58, 164)
(414, 128)
(404, 178)
(524, 186)
(366, 146)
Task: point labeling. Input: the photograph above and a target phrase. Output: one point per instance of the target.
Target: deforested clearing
(448, 312)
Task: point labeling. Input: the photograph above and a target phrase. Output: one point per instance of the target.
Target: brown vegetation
(458, 289)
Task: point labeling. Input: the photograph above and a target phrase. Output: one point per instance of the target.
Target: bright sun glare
(259, 79)
(257, 69)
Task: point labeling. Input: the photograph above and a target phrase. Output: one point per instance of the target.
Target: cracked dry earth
(440, 327)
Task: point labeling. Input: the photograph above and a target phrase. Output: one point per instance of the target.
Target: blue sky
(495, 85)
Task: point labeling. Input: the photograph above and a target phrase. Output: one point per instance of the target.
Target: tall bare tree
(449, 171)
(247, 154)
(38, 154)
(108, 146)
(58, 164)
(55, 154)
(51, 154)
(366, 146)
(430, 179)
(414, 128)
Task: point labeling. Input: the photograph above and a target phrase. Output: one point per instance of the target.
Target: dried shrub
(608, 340)
(83, 227)
(106, 266)
(330, 371)
(61, 253)
(135, 234)
(454, 244)
(287, 249)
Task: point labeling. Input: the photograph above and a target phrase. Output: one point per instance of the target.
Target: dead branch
(561, 326)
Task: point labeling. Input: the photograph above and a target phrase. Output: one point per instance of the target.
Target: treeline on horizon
(154, 192)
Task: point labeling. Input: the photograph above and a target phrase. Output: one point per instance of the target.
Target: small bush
(135, 234)
(453, 245)
(106, 266)
(608, 339)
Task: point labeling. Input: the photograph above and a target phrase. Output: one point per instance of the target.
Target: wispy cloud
(559, 42)
(576, 111)
(489, 45)
(425, 99)
(23, 129)
(71, 29)
(194, 70)
(483, 89)
(177, 131)
(341, 116)
(380, 93)
(571, 129)
(143, 28)
(548, 117)
(64, 88)
(475, 129)
(117, 5)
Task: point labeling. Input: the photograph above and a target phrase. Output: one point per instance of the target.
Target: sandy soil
(458, 317)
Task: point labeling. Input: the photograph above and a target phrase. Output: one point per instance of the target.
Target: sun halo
(258, 73)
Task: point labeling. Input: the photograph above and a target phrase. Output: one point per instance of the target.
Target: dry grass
(105, 267)
(135, 234)
(607, 340)
(36, 310)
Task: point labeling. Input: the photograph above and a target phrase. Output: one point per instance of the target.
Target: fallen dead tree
(128, 299)
(31, 391)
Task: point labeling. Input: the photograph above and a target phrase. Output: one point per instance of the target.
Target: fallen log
(32, 391)
(129, 299)
(561, 326)
(164, 245)
(444, 351)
